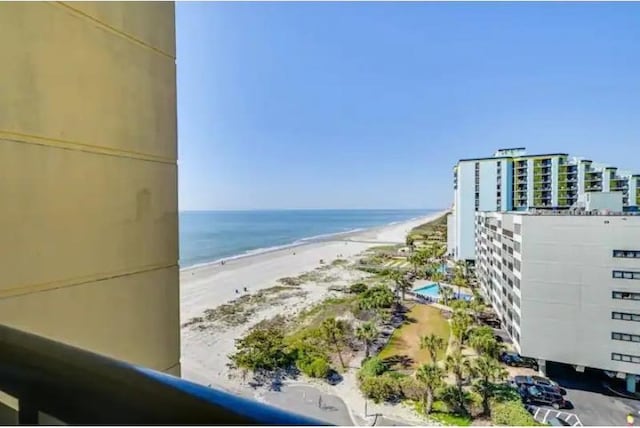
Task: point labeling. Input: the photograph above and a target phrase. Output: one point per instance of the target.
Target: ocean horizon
(210, 236)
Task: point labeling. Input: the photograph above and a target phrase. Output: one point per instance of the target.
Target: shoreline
(332, 236)
(216, 310)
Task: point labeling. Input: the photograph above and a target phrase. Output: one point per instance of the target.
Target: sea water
(208, 236)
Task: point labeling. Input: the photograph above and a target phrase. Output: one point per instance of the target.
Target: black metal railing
(79, 387)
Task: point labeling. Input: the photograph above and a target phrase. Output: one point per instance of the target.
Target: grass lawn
(403, 350)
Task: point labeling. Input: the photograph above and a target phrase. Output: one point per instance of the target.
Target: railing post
(27, 413)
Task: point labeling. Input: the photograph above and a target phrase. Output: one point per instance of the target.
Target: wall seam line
(18, 137)
(74, 282)
(112, 29)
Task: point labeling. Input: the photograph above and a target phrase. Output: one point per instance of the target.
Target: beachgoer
(237, 292)
(245, 289)
(320, 401)
(630, 419)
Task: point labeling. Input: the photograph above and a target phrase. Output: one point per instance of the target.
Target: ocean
(208, 236)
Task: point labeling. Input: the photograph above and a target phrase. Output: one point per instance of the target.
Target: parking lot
(592, 402)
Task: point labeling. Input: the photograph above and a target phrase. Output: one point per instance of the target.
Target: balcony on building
(56, 384)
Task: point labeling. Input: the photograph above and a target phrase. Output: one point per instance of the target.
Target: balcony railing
(78, 387)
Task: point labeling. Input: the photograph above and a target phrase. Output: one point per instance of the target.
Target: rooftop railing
(78, 387)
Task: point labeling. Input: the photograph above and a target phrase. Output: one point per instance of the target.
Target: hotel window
(625, 358)
(516, 247)
(516, 264)
(620, 274)
(626, 254)
(516, 228)
(625, 337)
(624, 295)
(623, 316)
(516, 282)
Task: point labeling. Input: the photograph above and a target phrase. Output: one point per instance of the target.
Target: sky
(369, 105)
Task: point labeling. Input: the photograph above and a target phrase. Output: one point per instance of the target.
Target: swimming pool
(432, 291)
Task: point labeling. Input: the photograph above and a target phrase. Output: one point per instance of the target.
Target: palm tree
(430, 377)
(477, 307)
(459, 366)
(433, 344)
(416, 260)
(487, 370)
(484, 342)
(460, 323)
(367, 333)
(334, 331)
(454, 399)
(401, 283)
(459, 281)
(445, 292)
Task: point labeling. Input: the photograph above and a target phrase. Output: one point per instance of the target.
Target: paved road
(593, 404)
(310, 402)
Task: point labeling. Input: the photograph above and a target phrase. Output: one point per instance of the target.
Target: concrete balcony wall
(88, 177)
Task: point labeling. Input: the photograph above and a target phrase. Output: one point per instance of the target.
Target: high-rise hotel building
(565, 285)
(512, 180)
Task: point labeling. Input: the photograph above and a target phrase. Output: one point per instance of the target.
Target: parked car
(542, 395)
(538, 381)
(517, 360)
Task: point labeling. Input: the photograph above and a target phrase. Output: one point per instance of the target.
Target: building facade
(513, 180)
(567, 287)
(88, 154)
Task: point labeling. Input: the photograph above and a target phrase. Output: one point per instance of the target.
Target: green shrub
(380, 388)
(318, 367)
(358, 287)
(511, 413)
(411, 388)
(374, 366)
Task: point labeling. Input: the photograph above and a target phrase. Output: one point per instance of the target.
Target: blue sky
(369, 105)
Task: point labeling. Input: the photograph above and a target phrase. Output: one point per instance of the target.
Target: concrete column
(631, 383)
(542, 367)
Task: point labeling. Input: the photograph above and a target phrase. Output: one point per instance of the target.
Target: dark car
(517, 360)
(538, 381)
(542, 395)
(543, 381)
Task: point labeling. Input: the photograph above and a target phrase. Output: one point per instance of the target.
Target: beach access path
(205, 352)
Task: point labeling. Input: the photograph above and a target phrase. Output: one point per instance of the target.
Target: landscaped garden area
(403, 351)
(438, 359)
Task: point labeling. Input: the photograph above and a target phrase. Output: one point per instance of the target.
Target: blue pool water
(429, 290)
(432, 290)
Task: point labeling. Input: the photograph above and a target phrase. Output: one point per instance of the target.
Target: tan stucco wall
(88, 177)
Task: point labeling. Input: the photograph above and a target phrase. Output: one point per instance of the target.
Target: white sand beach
(205, 350)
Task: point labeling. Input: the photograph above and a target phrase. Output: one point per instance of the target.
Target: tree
(460, 323)
(477, 307)
(446, 293)
(263, 349)
(433, 344)
(416, 260)
(459, 281)
(409, 241)
(334, 333)
(455, 399)
(488, 370)
(380, 388)
(398, 279)
(377, 297)
(483, 340)
(366, 333)
(459, 366)
(430, 377)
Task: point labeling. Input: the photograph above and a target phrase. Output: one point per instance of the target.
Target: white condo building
(511, 180)
(566, 286)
